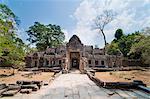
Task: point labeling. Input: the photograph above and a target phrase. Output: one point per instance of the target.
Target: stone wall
(131, 62)
(55, 56)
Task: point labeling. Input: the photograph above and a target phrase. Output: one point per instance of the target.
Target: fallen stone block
(13, 86)
(24, 82)
(33, 87)
(25, 91)
(10, 92)
(2, 86)
(38, 83)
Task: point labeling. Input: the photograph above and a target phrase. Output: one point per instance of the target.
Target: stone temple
(72, 55)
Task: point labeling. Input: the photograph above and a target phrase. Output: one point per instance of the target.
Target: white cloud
(132, 15)
(67, 36)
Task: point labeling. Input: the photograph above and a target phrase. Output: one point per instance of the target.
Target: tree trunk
(104, 41)
(104, 37)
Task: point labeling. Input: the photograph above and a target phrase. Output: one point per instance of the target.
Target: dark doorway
(35, 64)
(102, 62)
(75, 63)
(74, 59)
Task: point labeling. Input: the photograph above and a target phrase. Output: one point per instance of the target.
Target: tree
(126, 42)
(118, 34)
(113, 49)
(45, 35)
(7, 14)
(11, 46)
(141, 50)
(102, 20)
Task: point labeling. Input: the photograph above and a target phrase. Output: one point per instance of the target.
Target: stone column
(67, 60)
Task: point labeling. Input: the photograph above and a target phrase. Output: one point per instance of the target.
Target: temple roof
(75, 38)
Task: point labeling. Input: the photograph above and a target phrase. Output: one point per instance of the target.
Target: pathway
(71, 86)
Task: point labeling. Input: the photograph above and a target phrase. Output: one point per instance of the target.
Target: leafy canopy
(45, 35)
(133, 46)
(141, 50)
(11, 46)
(118, 34)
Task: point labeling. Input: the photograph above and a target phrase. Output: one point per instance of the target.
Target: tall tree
(45, 35)
(118, 34)
(11, 46)
(102, 20)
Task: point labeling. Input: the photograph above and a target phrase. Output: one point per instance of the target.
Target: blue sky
(75, 16)
(44, 11)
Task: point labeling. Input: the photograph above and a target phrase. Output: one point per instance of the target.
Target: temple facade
(72, 55)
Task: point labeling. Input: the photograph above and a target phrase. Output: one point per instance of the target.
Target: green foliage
(29, 49)
(7, 14)
(133, 46)
(142, 49)
(118, 34)
(123, 43)
(113, 49)
(11, 47)
(45, 35)
(6, 63)
(126, 42)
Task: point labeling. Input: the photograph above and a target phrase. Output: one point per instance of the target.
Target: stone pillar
(81, 64)
(67, 60)
(66, 64)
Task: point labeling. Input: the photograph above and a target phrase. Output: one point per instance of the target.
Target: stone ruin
(72, 55)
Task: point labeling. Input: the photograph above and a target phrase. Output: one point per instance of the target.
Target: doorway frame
(78, 58)
(68, 58)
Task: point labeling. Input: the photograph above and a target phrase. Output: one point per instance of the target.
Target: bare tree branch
(102, 20)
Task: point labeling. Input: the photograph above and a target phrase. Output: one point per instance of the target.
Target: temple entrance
(74, 60)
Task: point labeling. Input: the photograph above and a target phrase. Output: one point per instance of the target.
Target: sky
(76, 16)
